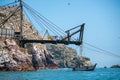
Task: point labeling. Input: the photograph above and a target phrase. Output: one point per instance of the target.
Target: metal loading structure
(65, 40)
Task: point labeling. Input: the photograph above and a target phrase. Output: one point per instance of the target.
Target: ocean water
(63, 74)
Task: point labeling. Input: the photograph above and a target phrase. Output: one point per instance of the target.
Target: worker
(49, 37)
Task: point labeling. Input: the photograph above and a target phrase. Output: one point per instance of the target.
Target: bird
(68, 3)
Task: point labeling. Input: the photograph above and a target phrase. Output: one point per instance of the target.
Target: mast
(81, 50)
(81, 39)
(21, 18)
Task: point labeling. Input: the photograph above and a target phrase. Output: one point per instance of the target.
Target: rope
(45, 20)
(55, 26)
(29, 20)
(41, 22)
(36, 18)
(102, 50)
(8, 17)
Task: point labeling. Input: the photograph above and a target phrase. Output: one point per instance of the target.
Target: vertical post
(21, 18)
(81, 33)
(68, 35)
(81, 50)
(81, 40)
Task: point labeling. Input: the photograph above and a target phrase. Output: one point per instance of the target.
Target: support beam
(8, 17)
(80, 30)
(21, 18)
(23, 42)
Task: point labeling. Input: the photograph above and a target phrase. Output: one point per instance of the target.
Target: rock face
(12, 58)
(66, 57)
(62, 54)
(40, 56)
(116, 66)
(34, 56)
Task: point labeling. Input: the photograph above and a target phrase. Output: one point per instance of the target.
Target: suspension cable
(46, 20)
(30, 20)
(36, 19)
(102, 50)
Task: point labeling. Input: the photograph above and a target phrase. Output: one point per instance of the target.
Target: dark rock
(116, 66)
(105, 66)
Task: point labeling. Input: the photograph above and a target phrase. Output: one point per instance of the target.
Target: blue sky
(102, 28)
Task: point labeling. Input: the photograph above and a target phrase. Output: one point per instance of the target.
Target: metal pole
(21, 18)
(81, 49)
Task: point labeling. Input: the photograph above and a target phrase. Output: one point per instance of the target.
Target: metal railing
(6, 32)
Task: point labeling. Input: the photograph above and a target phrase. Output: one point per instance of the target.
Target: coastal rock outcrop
(40, 56)
(34, 55)
(62, 54)
(115, 66)
(66, 57)
(12, 57)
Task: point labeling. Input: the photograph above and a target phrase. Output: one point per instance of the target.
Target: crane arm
(79, 30)
(8, 17)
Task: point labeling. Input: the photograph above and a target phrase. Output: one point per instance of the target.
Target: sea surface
(63, 74)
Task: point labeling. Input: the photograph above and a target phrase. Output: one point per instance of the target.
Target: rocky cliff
(33, 56)
(66, 56)
(62, 54)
